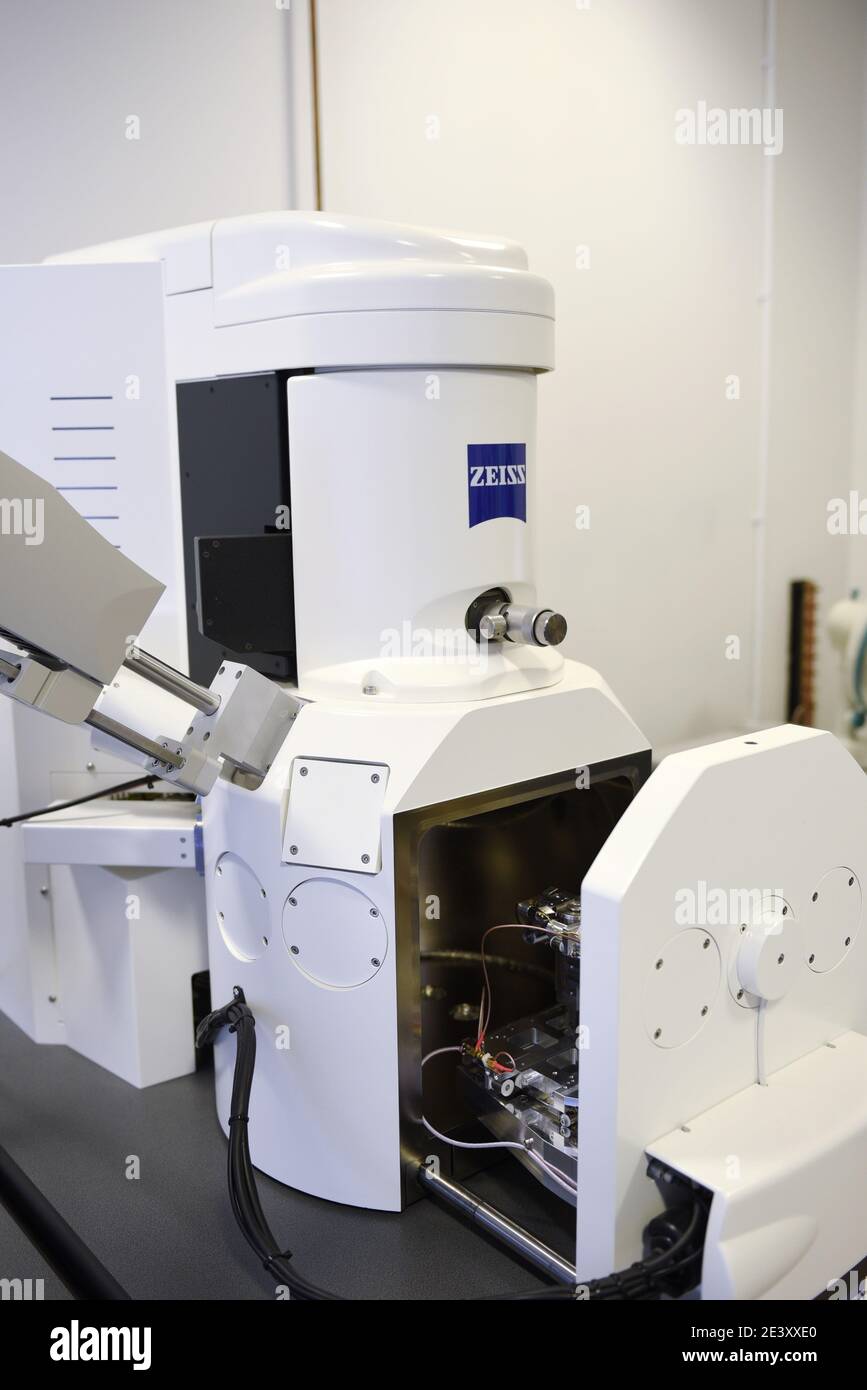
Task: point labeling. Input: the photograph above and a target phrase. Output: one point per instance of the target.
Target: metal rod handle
(528, 1246)
(133, 739)
(150, 668)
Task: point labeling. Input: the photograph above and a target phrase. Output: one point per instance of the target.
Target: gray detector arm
(64, 589)
(72, 604)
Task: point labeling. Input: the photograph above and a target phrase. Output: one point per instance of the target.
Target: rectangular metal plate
(333, 820)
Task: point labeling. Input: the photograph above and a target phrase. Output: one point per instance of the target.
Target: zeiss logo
(497, 481)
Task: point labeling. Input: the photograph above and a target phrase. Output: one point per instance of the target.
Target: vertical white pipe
(765, 301)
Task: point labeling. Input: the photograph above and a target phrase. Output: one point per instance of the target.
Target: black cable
(74, 1262)
(79, 800)
(641, 1280)
(243, 1192)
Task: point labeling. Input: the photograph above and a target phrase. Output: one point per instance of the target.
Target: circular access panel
(333, 932)
(681, 987)
(832, 916)
(241, 907)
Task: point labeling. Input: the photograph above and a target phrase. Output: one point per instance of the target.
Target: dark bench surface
(170, 1234)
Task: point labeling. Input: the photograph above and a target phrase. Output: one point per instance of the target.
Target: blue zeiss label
(497, 481)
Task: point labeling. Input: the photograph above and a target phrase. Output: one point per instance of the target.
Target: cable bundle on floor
(644, 1280)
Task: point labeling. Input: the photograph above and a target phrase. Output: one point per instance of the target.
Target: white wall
(858, 544)
(556, 127)
(817, 390)
(207, 80)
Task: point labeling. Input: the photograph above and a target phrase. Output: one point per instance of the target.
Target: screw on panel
(295, 951)
(812, 958)
(659, 963)
(848, 941)
(52, 998)
(293, 902)
(780, 958)
(740, 994)
(365, 858)
(815, 897)
(375, 962)
(374, 777)
(369, 690)
(374, 912)
(91, 767)
(293, 849)
(851, 881)
(302, 772)
(704, 1011)
(657, 1034)
(706, 942)
(44, 890)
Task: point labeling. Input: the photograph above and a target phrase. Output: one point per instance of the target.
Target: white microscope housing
(394, 758)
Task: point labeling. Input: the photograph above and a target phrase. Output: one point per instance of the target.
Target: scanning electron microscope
(409, 797)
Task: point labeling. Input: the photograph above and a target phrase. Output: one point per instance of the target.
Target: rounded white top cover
(449, 288)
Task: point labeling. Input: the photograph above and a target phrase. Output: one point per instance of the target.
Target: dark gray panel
(233, 442)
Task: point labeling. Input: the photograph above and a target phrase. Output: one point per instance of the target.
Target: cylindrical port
(538, 627)
(492, 617)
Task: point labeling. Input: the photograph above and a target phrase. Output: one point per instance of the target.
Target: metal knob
(492, 627)
(537, 627)
(550, 628)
